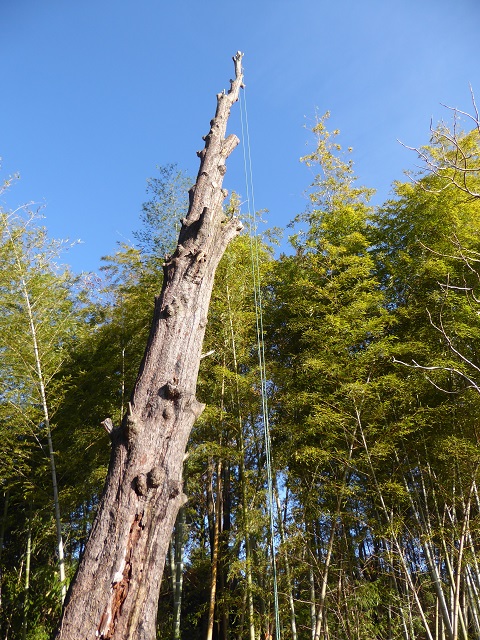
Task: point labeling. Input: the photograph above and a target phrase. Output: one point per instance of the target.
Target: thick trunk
(115, 592)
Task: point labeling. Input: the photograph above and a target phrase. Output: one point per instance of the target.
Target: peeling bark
(115, 592)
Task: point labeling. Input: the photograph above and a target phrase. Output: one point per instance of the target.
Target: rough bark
(115, 592)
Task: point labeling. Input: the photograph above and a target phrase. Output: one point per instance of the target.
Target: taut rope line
(255, 260)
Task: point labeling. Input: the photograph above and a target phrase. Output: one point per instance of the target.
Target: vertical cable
(255, 262)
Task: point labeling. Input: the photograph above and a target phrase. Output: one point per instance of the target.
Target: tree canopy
(371, 334)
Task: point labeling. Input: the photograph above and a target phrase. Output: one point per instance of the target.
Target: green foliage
(161, 215)
(41, 310)
(372, 340)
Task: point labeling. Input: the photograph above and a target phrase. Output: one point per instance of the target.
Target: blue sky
(96, 93)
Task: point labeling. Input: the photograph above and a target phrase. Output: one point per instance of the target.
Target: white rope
(255, 262)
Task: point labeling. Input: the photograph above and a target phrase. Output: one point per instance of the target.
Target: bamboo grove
(372, 341)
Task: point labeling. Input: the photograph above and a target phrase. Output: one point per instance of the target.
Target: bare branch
(456, 166)
(414, 365)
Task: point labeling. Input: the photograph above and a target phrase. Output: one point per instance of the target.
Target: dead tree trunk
(115, 592)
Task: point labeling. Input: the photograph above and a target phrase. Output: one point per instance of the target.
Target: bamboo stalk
(46, 420)
(401, 557)
(291, 603)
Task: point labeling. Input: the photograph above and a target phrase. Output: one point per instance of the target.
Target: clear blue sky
(96, 93)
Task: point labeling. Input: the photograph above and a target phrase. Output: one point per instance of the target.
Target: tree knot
(172, 392)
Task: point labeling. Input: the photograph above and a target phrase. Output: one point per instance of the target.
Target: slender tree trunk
(436, 579)
(171, 564)
(288, 576)
(473, 598)
(224, 551)
(210, 506)
(395, 541)
(455, 616)
(331, 540)
(248, 549)
(401, 607)
(178, 572)
(115, 592)
(243, 485)
(241, 622)
(313, 614)
(214, 572)
(458, 615)
(26, 595)
(3, 526)
(48, 431)
(324, 577)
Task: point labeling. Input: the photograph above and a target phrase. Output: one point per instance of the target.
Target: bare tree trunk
(216, 536)
(115, 592)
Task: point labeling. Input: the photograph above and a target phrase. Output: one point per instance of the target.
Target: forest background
(375, 460)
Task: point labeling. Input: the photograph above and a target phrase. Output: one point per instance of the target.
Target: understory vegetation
(370, 330)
